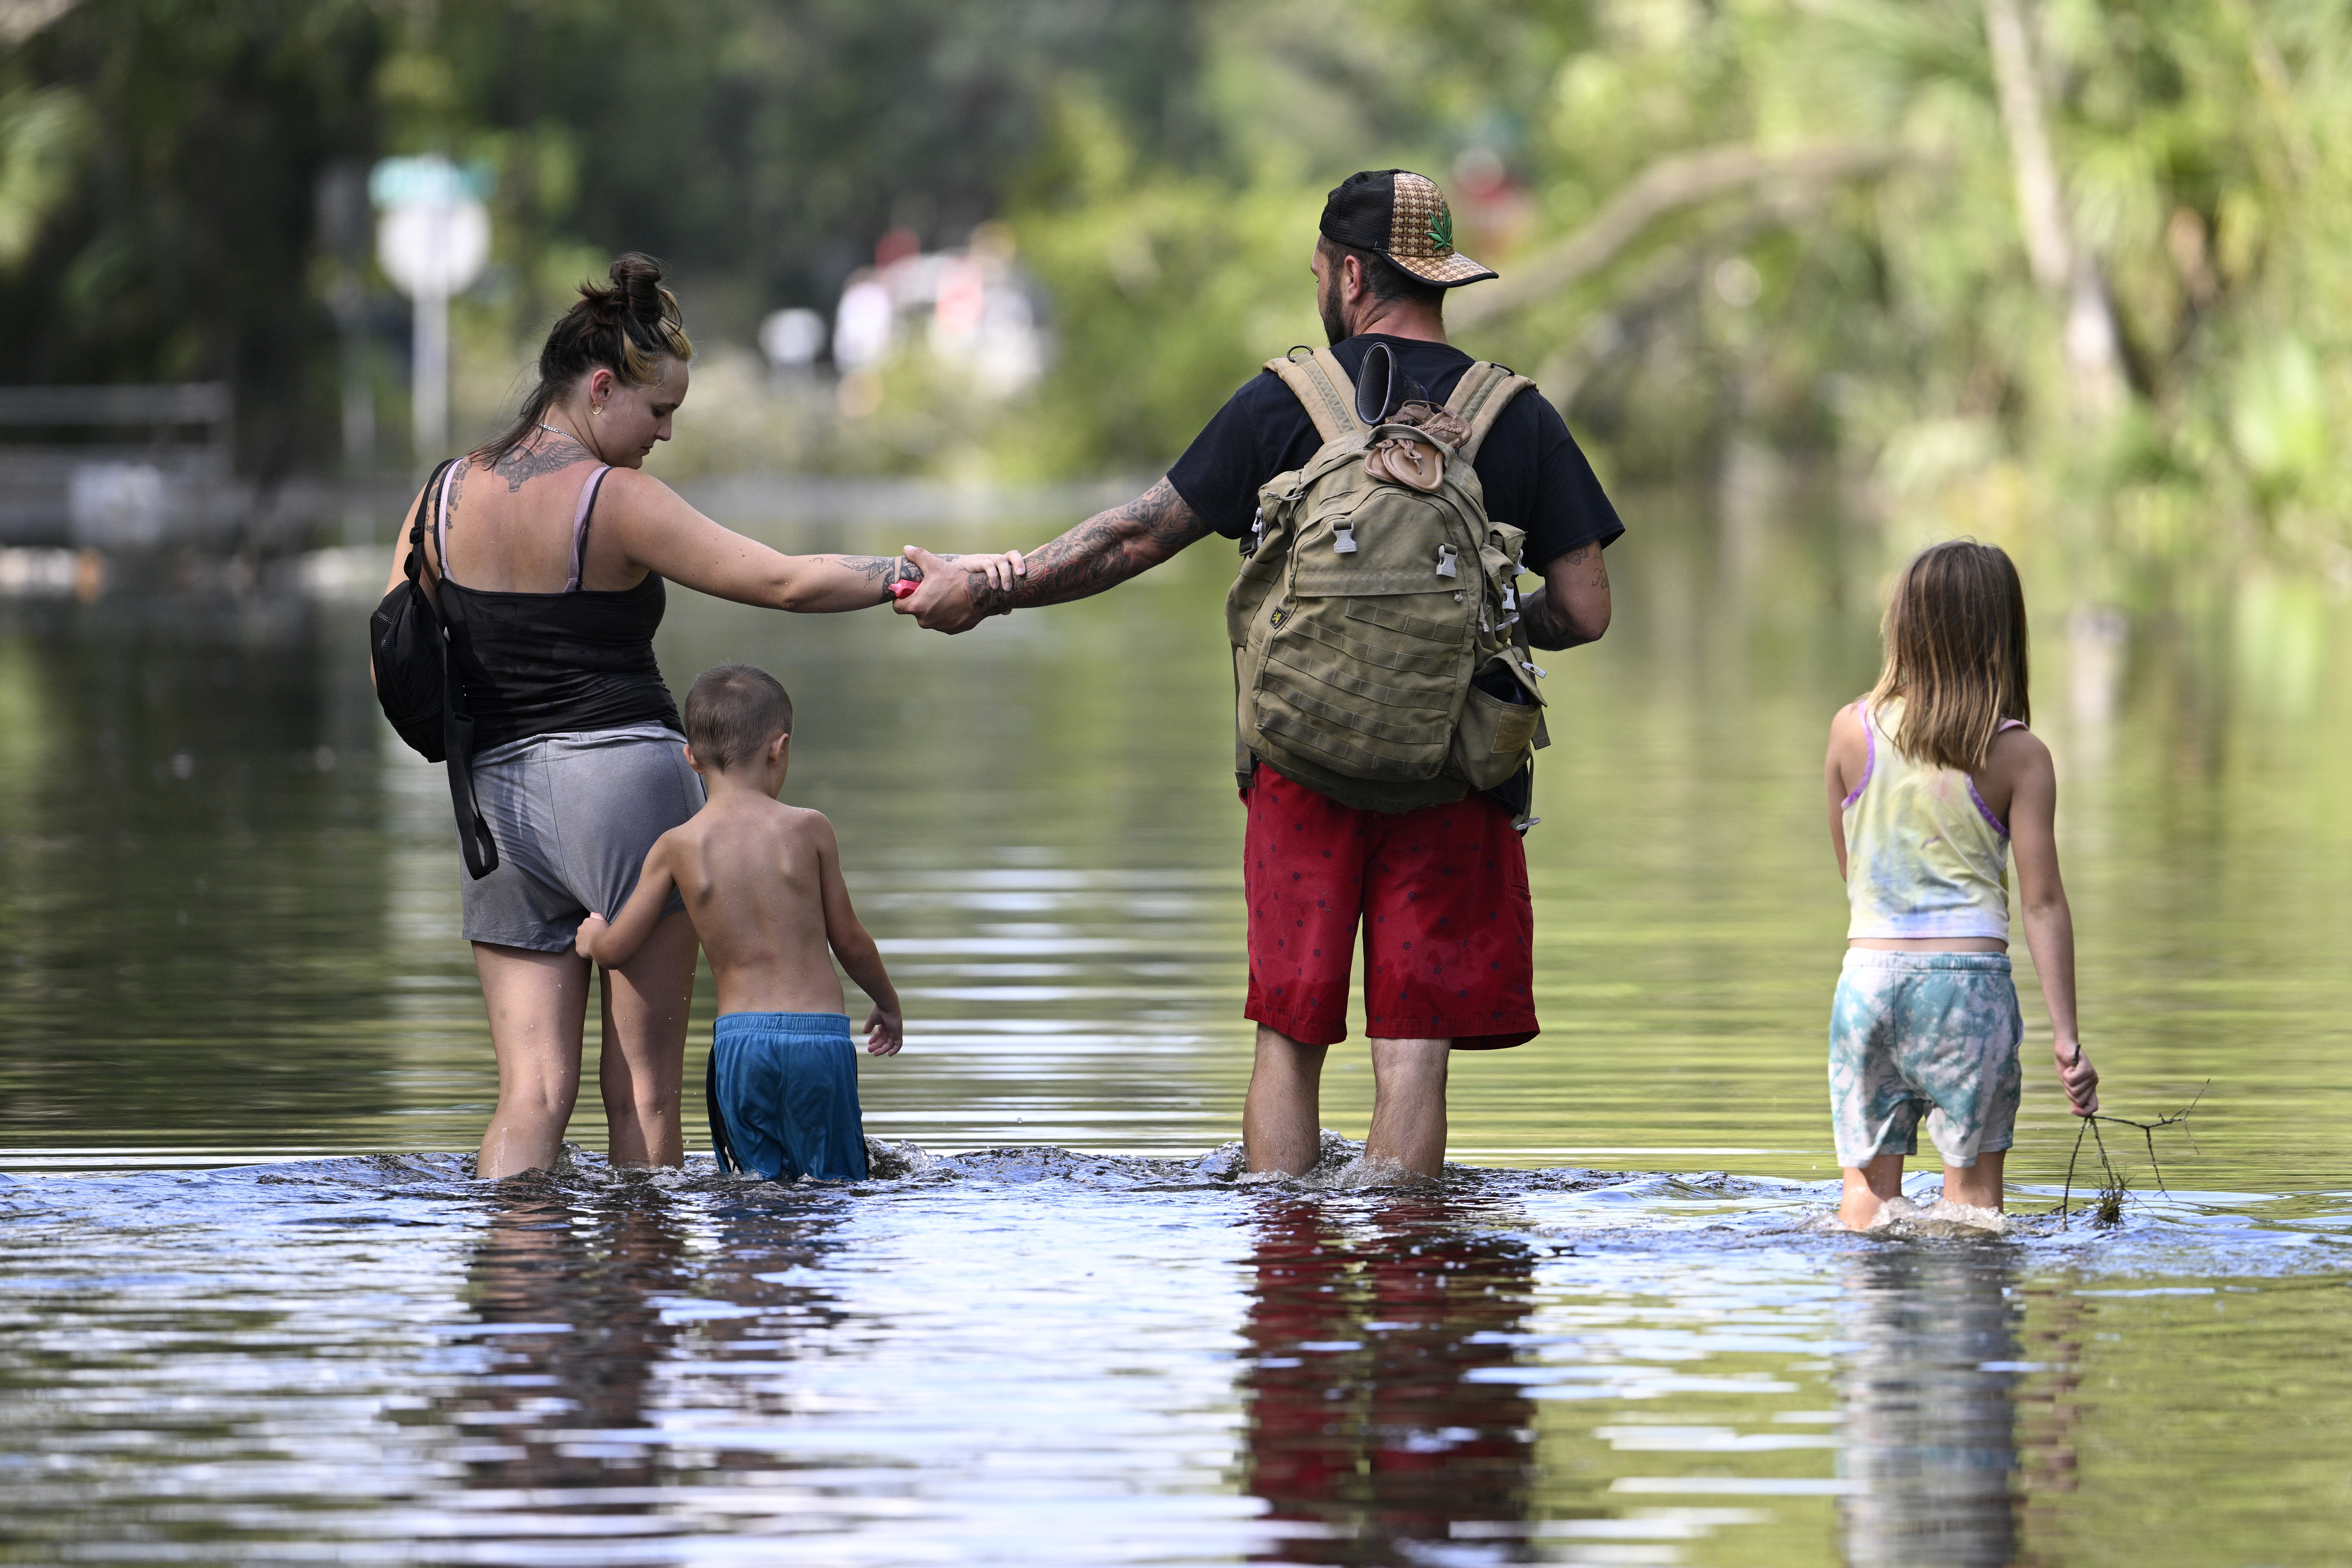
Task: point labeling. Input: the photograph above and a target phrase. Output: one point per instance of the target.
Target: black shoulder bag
(416, 685)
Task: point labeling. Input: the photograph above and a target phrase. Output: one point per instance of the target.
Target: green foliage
(156, 160)
(1891, 321)
(42, 133)
(1162, 167)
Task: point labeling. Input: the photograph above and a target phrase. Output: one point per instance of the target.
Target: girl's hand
(584, 944)
(2080, 1079)
(885, 1031)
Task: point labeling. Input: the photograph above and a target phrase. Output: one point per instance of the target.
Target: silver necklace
(553, 431)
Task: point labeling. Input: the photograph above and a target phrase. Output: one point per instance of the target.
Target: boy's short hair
(733, 711)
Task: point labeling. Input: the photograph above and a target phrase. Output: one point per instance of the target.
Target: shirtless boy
(762, 882)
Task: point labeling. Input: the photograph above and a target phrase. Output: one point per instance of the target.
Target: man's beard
(1326, 304)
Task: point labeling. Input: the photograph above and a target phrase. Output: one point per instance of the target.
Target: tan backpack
(1376, 589)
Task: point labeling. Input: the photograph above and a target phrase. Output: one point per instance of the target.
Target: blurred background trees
(2070, 271)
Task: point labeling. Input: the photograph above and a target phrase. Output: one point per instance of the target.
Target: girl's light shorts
(1924, 1033)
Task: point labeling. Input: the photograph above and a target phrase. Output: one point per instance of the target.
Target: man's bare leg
(1409, 1104)
(1977, 1186)
(1282, 1120)
(1867, 1188)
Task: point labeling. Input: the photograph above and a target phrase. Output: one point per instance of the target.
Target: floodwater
(253, 1309)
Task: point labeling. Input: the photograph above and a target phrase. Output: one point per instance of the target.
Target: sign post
(431, 240)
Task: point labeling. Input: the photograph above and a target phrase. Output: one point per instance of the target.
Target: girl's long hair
(625, 329)
(1955, 634)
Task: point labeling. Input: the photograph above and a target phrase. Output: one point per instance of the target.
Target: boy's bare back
(762, 882)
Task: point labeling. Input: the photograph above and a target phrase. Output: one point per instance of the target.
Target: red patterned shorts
(1448, 927)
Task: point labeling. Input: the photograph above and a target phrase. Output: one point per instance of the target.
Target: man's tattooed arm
(1100, 552)
(1572, 607)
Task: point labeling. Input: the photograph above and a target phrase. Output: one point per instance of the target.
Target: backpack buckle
(1343, 536)
(1446, 566)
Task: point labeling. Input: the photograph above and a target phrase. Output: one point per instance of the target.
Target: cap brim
(1446, 271)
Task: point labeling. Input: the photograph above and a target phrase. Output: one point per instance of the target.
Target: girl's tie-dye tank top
(1924, 855)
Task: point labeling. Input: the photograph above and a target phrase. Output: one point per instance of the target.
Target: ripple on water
(1041, 1355)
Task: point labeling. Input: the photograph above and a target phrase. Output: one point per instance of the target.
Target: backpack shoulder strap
(1480, 397)
(1322, 384)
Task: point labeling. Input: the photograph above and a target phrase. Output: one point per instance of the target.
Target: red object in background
(897, 245)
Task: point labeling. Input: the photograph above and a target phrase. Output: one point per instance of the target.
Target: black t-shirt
(1533, 475)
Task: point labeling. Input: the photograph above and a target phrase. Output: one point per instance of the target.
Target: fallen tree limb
(1663, 275)
(1672, 183)
(2115, 1181)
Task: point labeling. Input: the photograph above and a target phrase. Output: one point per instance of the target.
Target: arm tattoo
(1101, 552)
(552, 450)
(881, 571)
(1549, 627)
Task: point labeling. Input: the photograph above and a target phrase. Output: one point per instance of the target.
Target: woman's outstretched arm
(662, 533)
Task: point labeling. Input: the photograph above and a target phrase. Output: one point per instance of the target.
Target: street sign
(432, 241)
(433, 249)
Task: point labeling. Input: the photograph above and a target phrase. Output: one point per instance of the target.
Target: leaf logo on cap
(1441, 229)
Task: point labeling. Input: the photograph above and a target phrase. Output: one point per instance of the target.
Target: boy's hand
(885, 1031)
(2079, 1076)
(584, 944)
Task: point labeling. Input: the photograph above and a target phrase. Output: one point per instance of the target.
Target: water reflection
(593, 1318)
(1366, 1438)
(1929, 1395)
(570, 1329)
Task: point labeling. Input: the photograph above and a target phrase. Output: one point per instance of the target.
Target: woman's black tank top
(545, 664)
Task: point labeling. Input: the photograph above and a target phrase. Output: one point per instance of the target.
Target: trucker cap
(1403, 216)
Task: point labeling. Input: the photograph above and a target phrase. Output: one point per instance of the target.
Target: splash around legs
(1282, 1119)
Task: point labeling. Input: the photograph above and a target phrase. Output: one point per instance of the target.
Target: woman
(546, 552)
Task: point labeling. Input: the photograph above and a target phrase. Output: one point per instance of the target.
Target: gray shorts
(573, 815)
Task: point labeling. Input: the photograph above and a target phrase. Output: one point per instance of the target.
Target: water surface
(255, 1310)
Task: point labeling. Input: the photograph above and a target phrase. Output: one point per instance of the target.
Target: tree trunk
(2061, 266)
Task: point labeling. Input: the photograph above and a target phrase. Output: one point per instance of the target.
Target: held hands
(944, 601)
(591, 928)
(885, 1031)
(2080, 1079)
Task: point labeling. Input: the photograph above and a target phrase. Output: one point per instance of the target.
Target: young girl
(1931, 778)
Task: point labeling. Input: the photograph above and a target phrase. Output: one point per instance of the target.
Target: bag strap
(1479, 397)
(475, 845)
(1323, 385)
(427, 501)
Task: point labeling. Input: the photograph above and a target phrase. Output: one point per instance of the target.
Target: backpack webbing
(1480, 397)
(1324, 388)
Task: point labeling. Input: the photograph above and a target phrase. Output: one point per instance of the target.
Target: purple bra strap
(594, 483)
(441, 519)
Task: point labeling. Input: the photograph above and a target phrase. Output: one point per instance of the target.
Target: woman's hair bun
(626, 328)
(636, 279)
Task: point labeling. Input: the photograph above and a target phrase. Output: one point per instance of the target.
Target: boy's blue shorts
(783, 1097)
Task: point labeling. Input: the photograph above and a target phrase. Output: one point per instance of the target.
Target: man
(1454, 876)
